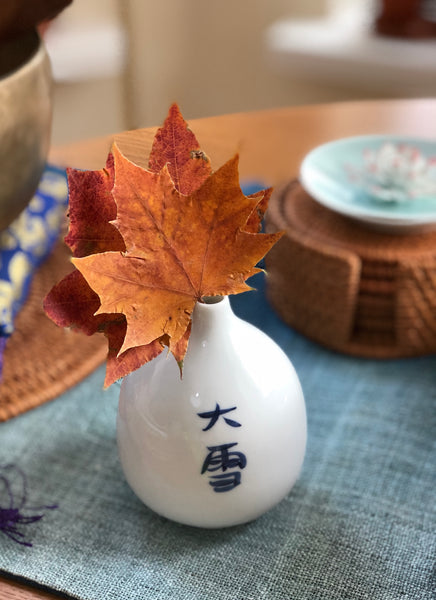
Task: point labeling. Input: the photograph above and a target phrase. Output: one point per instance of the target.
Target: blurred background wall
(118, 64)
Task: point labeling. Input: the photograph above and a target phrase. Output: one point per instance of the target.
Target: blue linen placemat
(360, 524)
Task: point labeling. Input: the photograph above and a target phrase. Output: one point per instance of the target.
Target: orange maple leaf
(153, 243)
(178, 250)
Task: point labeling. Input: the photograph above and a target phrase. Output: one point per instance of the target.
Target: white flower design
(397, 173)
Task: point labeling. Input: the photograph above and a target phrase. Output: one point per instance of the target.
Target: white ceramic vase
(225, 443)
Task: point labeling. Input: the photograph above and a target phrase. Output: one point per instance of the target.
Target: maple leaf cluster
(150, 243)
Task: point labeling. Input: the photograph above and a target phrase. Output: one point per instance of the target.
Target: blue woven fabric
(360, 524)
(26, 243)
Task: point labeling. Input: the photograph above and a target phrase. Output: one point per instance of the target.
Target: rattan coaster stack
(42, 360)
(349, 287)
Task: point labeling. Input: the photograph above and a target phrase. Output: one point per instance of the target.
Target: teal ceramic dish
(384, 181)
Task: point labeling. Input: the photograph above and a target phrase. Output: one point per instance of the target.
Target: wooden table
(271, 145)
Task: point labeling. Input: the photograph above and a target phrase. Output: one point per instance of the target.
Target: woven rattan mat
(349, 287)
(42, 360)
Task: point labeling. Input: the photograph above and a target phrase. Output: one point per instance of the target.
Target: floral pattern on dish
(395, 173)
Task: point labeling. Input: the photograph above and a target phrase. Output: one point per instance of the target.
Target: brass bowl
(25, 121)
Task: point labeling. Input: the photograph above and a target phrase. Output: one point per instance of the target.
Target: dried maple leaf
(91, 210)
(178, 250)
(72, 303)
(157, 242)
(176, 147)
(254, 222)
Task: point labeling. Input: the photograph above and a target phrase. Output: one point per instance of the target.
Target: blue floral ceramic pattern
(27, 242)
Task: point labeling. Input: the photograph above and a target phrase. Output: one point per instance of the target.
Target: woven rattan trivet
(42, 360)
(349, 287)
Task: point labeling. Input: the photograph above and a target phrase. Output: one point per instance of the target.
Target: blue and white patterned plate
(387, 181)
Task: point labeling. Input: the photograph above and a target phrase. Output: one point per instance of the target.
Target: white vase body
(225, 443)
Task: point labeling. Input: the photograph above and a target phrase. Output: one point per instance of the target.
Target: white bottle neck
(208, 316)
